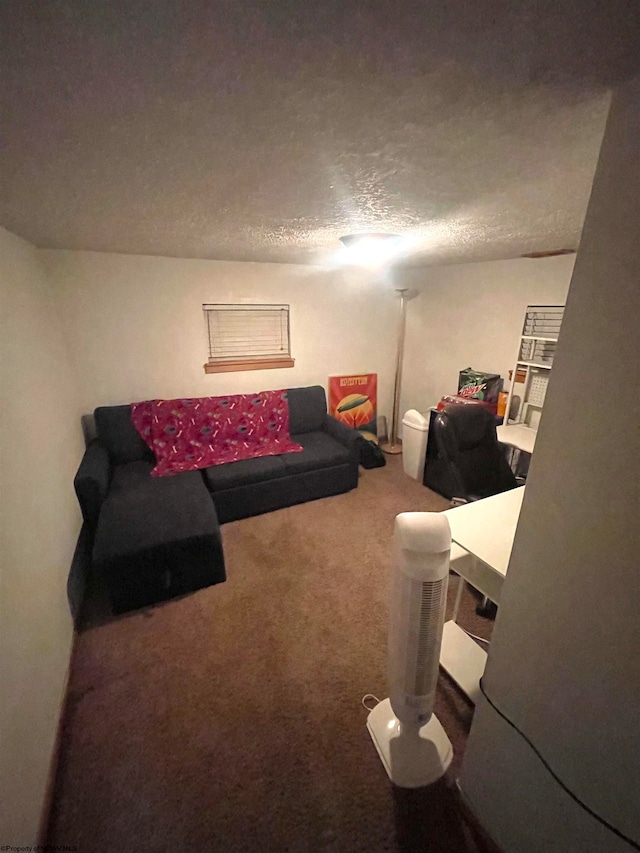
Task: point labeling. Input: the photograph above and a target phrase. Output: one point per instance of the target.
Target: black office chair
(465, 461)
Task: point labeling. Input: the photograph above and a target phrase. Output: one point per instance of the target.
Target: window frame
(248, 362)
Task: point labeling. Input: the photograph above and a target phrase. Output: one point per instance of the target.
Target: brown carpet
(231, 720)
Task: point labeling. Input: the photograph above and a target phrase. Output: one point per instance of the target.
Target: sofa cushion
(320, 451)
(142, 512)
(132, 475)
(307, 409)
(118, 434)
(245, 472)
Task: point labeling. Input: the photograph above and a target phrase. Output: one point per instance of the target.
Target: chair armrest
(347, 436)
(92, 481)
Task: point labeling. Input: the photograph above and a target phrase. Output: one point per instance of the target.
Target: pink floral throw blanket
(189, 434)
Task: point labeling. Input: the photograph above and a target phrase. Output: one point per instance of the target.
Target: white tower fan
(410, 740)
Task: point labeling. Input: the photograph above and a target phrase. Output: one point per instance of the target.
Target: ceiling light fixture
(371, 249)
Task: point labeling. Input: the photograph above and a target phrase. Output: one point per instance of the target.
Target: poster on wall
(353, 400)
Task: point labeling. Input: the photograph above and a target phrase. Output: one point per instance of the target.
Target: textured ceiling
(256, 130)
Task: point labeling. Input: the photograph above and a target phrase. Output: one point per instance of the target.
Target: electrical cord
(555, 776)
(474, 637)
(366, 698)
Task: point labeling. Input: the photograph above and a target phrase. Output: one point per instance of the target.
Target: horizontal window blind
(247, 332)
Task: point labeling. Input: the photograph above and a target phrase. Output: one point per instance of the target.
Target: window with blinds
(247, 337)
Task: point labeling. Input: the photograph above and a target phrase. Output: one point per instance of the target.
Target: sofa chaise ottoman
(154, 538)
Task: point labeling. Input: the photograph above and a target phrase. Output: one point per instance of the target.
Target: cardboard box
(478, 385)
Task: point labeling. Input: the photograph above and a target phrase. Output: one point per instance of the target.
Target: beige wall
(136, 328)
(564, 663)
(470, 315)
(41, 447)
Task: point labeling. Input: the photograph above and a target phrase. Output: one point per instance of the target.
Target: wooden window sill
(230, 365)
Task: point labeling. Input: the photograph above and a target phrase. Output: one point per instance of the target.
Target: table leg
(463, 659)
(456, 606)
(460, 656)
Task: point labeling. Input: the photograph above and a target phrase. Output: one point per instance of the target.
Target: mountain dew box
(476, 385)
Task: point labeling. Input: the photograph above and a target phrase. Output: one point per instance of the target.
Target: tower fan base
(413, 756)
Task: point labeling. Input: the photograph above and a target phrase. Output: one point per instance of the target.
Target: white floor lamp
(375, 250)
(393, 446)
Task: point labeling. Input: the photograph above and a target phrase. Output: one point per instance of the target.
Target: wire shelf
(537, 351)
(543, 321)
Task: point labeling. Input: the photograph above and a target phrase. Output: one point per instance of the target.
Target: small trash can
(414, 443)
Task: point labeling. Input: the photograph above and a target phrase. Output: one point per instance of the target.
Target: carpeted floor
(231, 720)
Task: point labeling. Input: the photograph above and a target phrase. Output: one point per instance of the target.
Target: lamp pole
(392, 446)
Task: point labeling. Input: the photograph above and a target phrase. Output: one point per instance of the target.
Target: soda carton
(478, 385)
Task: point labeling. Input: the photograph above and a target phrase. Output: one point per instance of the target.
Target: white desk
(519, 436)
(485, 529)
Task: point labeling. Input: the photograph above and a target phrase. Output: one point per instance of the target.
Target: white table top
(486, 528)
(517, 435)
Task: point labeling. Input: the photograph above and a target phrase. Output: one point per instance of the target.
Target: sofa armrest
(347, 436)
(92, 481)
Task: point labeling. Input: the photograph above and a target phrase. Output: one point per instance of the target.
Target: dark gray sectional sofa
(158, 537)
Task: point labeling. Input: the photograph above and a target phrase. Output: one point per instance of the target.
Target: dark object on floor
(488, 609)
(155, 538)
(370, 454)
(464, 458)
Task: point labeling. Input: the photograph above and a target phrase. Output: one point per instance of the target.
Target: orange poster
(354, 400)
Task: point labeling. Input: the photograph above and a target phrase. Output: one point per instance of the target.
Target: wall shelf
(534, 364)
(536, 352)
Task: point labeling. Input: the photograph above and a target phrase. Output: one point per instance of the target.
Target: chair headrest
(470, 424)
